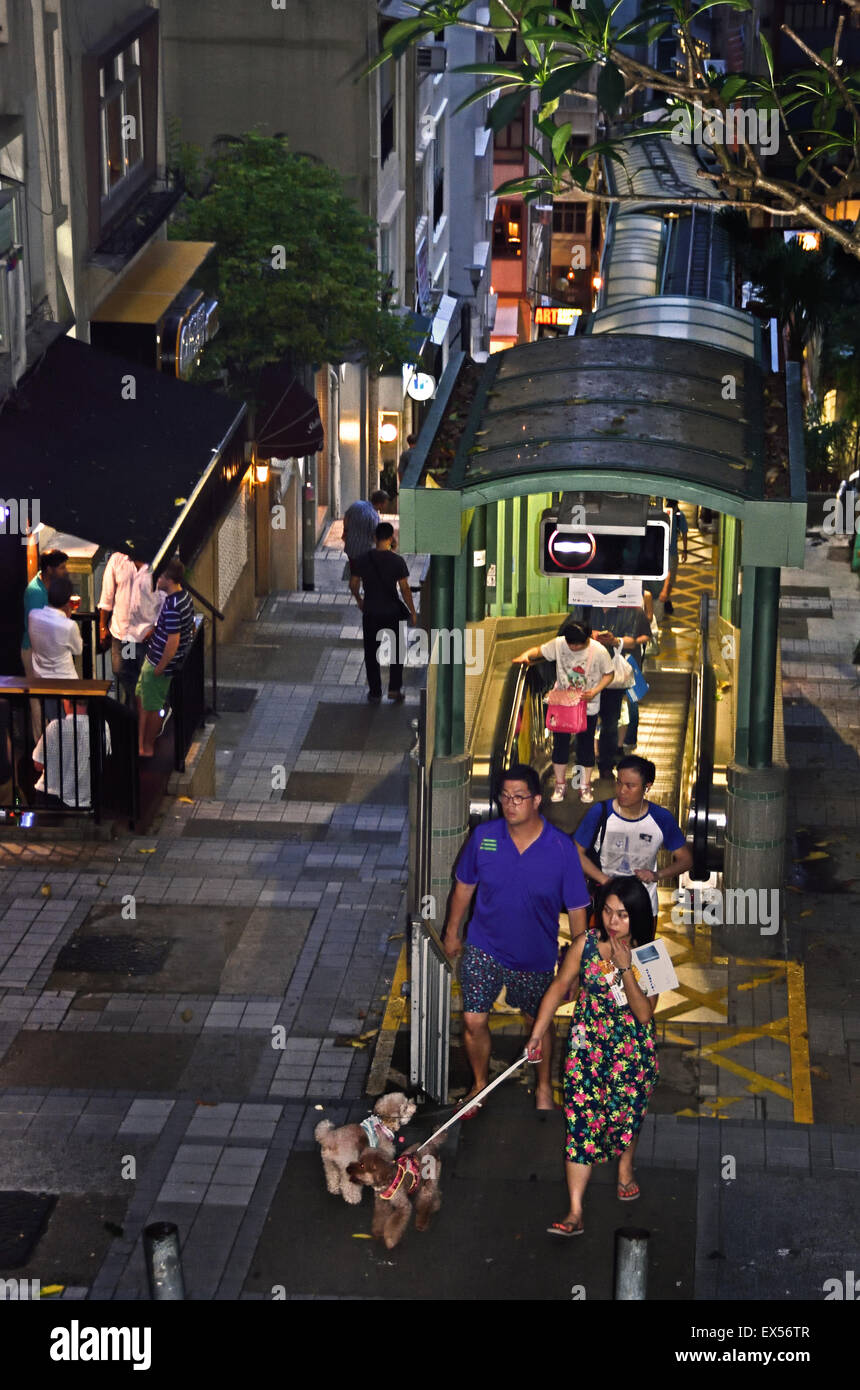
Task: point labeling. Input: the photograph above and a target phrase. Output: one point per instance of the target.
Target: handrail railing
(188, 695)
(703, 751)
(86, 760)
(513, 722)
(216, 613)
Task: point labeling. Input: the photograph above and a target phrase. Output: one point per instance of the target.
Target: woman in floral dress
(611, 1065)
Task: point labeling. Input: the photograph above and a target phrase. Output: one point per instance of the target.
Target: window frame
(108, 202)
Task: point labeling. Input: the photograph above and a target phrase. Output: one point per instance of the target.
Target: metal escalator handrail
(513, 721)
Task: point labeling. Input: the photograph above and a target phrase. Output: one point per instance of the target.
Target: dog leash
(475, 1100)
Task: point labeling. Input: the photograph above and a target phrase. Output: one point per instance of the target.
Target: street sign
(603, 554)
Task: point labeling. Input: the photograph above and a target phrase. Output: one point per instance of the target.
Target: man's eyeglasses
(515, 798)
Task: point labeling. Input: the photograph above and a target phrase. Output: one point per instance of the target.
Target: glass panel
(132, 127)
(113, 141)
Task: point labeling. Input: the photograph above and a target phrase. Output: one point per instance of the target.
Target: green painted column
(763, 685)
(507, 557)
(477, 561)
(729, 556)
(756, 787)
(491, 512)
(523, 557)
(442, 618)
(721, 566)
(459, 597)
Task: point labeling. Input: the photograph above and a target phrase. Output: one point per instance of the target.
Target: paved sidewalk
(233, 957)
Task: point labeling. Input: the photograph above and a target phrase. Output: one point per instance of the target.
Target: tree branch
(847, 99)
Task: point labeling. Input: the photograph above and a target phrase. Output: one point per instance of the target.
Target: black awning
(111, 450)
(288, 417)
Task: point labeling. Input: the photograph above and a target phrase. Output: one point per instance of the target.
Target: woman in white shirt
(584, 666)
(55, 639)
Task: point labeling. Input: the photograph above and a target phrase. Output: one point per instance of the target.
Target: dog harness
(407, 1165)
(372, 1127)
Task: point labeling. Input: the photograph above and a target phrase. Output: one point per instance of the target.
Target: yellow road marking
(396, 1006)
(799, 1043)
(756, 1080)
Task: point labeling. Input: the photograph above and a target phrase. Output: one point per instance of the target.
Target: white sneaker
(586, 795)
(558, 793)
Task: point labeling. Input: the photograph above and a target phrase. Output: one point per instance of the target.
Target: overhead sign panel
(603, 554)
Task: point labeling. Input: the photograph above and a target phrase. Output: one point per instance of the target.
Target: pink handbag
(566, 712)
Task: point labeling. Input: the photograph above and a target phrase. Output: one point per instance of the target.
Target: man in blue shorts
(525, 872)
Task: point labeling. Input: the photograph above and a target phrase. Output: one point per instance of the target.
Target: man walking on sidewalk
(385, 602)
(525, 872)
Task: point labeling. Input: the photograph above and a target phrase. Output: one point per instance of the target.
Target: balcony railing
(70, 752)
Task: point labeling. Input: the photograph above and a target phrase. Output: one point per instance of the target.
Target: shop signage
(555, 316)
(188, 325)
(421, 386)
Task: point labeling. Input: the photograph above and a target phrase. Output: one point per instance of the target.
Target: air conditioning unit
(431, 58)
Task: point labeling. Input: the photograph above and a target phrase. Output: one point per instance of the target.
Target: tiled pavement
(286, 997)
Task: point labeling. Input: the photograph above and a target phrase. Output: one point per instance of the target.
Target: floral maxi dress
(610, 1071)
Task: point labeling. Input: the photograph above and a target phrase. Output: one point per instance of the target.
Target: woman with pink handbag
(583, 669)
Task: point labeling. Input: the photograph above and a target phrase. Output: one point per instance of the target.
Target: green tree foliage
(798, 288)
(552, 48)
(294, 267)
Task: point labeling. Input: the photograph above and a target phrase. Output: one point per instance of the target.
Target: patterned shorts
(482, 978)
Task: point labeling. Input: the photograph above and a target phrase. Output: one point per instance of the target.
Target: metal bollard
(163, 1261)
(631, 1264)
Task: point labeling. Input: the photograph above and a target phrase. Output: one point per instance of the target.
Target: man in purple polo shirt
(525, 873)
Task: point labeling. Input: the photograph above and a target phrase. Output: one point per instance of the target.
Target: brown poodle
(413, 1178)
(343, 1146)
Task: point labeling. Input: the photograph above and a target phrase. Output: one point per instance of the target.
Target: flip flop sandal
(628, 1191)
(566, 1229)
(469, 1108)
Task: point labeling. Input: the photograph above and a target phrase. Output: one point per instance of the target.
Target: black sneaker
(374, 699)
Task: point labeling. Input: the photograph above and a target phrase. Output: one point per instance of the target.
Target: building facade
(394, 140)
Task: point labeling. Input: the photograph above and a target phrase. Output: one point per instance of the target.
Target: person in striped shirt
(165, 653)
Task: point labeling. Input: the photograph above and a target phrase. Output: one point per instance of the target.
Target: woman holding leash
(611, 1067)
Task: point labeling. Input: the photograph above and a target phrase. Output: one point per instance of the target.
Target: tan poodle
(413, 1179)
(343, 1146)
